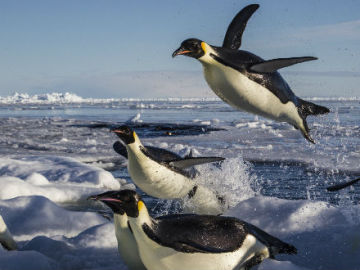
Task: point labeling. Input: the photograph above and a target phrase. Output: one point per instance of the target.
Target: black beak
(180, 51)
(93, 197)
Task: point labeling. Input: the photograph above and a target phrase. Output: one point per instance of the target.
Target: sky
(120, 48)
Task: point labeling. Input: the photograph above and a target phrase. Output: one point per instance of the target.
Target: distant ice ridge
(71, 98)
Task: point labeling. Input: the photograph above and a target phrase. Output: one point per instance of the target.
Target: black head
(120, 202)
(125, 133)
(190, 47)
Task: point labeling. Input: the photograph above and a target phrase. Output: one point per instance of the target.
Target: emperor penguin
(249, 83)
(126, 242)
(196, 242)
(161, 174)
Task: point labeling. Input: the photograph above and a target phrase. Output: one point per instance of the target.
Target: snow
(30, 216)
(324, 236)
(60, 179)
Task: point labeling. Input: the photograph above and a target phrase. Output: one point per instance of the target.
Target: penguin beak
(104, 197)
(180, 51)
(118, 131)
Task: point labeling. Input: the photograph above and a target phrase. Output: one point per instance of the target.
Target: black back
(198, 233)
(209, 234)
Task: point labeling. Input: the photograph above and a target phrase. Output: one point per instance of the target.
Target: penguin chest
(155, 256)
(156, 179)
(240, 92)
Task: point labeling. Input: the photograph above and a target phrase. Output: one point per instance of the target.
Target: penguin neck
(206, 59)
(134, 147)
(121, 221)
(143, 217)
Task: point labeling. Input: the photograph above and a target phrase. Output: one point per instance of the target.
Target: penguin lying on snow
(160, 173)
(248, 82)
(126, 242)
(194, 242)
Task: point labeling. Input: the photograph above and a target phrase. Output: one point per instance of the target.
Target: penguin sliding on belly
(126, 242)
(248, 82)
(161, 173)
(195, 242)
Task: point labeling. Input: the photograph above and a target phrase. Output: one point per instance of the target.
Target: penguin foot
(307, 137)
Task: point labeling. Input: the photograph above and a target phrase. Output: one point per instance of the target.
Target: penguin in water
(195, 242)
(249, 83)
(161, 174)
(126, 242)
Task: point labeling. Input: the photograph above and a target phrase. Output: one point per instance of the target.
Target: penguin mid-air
(195, 242)
(246, 81)
(126, 242)
(161, 174)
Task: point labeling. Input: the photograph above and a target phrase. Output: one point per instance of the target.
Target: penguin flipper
(120, 149)
(275, 64)
(237, 26)
(192, 161)
(342, 185)
(161, 155)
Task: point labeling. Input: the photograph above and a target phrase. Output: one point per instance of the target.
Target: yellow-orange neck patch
(203, 46)
(141, 205)
(135, 136)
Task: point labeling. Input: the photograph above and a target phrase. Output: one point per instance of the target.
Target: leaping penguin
(249, 83)
(161, 173)
(126, 242)
(195, 242)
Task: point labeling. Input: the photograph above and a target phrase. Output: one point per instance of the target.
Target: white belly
(161, 182)
(157, 180)
(244, 94)
(157, 257)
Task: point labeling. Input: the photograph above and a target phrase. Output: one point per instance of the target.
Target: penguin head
(123, 201)
(191, 47)
(126, 134)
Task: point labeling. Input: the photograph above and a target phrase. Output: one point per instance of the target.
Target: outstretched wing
(192, 161)
(342, 185)
(259, 70)
(275, 64)
(237, 26)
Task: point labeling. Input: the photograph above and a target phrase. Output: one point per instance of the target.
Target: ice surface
(324, 237)
(261, 155)
(30, 216)
(60, 179)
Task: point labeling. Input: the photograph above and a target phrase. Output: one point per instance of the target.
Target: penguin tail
(274, 245)
(305, 109)
(282, 248)
(308, 108)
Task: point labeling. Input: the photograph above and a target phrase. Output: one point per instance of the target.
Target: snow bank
(31, 216)
(324, 236)
(57, 178)
(29, 260)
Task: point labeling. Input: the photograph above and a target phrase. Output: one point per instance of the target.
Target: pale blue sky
(123, 48)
